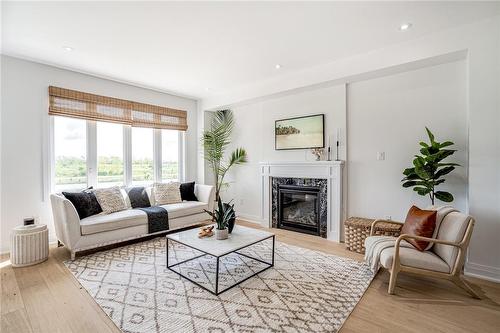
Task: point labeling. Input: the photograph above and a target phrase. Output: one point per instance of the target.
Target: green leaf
(238, 156)
(422, 173)
(415, 183)
(442, 154)
(411, 177)
(430, 135)
(446, 144)
(409, 171)
(423, 144)
(440, 181)
(422, 190)
(444, 196)
(443, 171)
(447, 164)
(418, 162)
(425, 151)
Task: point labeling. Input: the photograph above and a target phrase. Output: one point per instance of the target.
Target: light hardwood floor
(46, 298)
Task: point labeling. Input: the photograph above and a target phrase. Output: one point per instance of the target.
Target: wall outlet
(388, 217)
(380, 155)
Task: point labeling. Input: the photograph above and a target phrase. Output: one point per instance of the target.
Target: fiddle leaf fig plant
(429, 169)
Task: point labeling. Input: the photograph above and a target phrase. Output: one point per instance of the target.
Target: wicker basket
(358, 228)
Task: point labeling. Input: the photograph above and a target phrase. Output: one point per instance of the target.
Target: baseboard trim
(484, 272)
(249, 218)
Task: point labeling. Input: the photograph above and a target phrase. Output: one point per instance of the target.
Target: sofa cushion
(118, 220)
(187, 191)
(85, 202)
(138, 197)
(419, 222)
(134, 217)
(414, 258)
(167, 193)
(110, 199)
(185, 208)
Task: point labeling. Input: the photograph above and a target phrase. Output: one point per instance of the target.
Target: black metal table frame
(217, 291)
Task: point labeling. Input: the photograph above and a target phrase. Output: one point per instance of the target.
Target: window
(169, 155)
(102, 154)
(142, 155)
(70, 153)
(110, 170)
(106, 141)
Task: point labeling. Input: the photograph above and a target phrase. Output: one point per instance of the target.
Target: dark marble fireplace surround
(320, 184)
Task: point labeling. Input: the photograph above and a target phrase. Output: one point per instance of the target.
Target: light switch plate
(380, 155)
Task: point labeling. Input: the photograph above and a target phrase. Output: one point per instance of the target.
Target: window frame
(100, 185)
(91, 141)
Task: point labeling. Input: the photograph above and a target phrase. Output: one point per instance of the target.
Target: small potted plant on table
(222, 216)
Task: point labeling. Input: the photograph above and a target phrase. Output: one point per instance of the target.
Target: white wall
(388, 115)
(479, 42)
(24, 133)
(254, 131)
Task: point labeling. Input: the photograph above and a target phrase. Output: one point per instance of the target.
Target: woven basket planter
(358, 228)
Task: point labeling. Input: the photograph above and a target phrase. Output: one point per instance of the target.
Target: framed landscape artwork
(300, 133)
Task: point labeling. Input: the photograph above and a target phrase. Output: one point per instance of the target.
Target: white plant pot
(221, 234)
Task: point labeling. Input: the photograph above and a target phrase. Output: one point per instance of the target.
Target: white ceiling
(187, 47)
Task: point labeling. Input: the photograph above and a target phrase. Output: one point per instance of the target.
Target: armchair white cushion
(414, 258)
(444, 259)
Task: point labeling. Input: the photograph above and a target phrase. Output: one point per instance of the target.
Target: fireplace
(299, 208)
(326, 175)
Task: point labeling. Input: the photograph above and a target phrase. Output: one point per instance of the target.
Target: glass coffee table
(246, 253)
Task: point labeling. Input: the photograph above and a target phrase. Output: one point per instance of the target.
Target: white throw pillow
(168, 193)
(110, 199)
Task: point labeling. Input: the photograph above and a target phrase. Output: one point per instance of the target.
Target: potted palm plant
(215, 141)
(222, 216)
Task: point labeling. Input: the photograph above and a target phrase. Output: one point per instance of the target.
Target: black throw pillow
(85, 202)
(187, 192)
(138, 197)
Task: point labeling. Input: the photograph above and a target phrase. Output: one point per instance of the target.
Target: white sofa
(105, 229)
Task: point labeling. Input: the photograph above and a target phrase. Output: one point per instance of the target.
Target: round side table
(29, 245)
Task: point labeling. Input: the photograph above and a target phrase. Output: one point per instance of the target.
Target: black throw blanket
(157, 218)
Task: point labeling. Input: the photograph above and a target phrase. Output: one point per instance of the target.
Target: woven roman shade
(77, 104)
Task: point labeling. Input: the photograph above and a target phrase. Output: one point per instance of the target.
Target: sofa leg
(459, 281)
(392, 281)
(73, 255)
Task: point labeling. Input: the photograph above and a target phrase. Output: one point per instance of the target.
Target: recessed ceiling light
(277, 66)
(405, 26)
(67, 48)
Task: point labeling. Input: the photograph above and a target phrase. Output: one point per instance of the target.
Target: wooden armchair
(445, 259)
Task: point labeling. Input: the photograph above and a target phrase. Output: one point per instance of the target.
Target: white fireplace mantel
(329, 170)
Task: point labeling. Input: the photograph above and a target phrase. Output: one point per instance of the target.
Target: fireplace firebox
(299, 208)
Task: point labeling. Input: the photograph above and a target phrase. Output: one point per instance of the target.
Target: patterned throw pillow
(168, 193)
(110, 199)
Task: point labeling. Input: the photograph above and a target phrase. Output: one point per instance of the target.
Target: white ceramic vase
(221, 234)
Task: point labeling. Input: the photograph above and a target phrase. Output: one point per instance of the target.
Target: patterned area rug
(306, 291)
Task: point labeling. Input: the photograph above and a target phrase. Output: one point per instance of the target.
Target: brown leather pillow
(419, 222)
